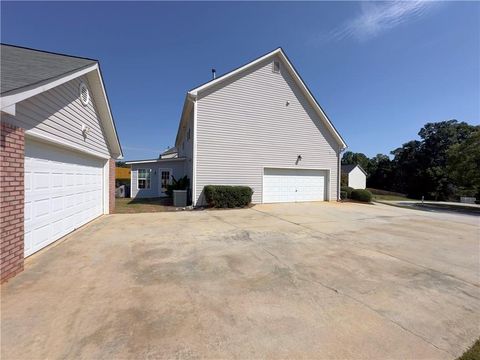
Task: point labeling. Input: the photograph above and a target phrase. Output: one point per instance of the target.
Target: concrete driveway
(312, 280)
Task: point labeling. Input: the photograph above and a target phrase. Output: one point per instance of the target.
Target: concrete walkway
(313, 280)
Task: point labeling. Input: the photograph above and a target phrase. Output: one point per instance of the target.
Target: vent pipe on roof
(214, 74)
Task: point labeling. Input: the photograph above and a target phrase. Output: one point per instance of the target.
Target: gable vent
(276, 66)
(84, 94)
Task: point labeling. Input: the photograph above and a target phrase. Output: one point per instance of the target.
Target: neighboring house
(151, 177)
(356, 176)
(58, 144)
(122, 174)
(259, 126)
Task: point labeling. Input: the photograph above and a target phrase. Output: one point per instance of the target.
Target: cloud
(378, 17)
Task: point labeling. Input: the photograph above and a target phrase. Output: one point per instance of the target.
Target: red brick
(12, 150)
(111, 184)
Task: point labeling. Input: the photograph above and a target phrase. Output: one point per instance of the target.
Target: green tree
(121, 164)
(463, 164)
(380, 174)
(351, 158)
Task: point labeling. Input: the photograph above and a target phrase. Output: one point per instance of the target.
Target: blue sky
(380, 70)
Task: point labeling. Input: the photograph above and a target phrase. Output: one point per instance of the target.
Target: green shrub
(343, 195)
(361, 195)
(223, 196)
(180, 184)
(348, 190)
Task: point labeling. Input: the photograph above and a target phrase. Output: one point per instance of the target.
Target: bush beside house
(361, 195)
(223, 196)
(346, 192)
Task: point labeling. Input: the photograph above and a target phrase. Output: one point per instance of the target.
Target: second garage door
(63, 191)
(291, 185)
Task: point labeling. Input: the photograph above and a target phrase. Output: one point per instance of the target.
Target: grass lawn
(389, 197)
(132, 206)
(473, 353)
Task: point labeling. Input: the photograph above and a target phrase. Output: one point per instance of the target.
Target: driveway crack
(352, 297)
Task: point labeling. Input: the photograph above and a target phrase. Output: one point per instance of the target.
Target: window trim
(148, 179)
(160, 170)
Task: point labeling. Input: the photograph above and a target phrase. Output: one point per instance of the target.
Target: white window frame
(149, 178)
(160, 170)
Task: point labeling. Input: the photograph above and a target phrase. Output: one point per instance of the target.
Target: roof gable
(347, 169)
(280, 54)
(90, 68)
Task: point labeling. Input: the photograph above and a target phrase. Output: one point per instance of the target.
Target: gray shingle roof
(347, 168)
(21, 67)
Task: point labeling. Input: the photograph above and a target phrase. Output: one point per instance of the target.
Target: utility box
(179, 198)
(120, 191)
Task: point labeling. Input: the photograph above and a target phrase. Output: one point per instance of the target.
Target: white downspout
(339, 173)
(194, 156)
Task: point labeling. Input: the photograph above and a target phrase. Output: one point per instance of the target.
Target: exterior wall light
(299, 157)
(85, 131)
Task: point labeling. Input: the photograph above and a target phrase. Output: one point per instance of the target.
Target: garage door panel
(292, 185)
(63, 191)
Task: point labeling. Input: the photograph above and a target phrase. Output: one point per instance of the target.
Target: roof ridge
(48, 52)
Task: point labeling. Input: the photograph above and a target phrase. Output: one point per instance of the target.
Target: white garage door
(290, 185)
(63, 191)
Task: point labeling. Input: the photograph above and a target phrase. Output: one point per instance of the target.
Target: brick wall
(12, 193)
(111, 183)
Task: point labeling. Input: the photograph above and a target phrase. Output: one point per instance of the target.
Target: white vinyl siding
(187, 150)
(59, 114)
(63, 191)
(357, 179)
(246, 125)
(176, 166)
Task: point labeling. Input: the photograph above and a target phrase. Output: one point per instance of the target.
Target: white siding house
(150, 177)
(261, 127)
(357, 177)
(58, 147)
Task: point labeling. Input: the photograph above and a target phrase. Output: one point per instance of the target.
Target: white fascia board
(153, 161)
(111, 122)
(295, 75)
(195, 91)
(312, 100)
(11, 110)
(183, 116)
(8, 100)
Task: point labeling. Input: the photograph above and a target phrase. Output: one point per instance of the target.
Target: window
(165, 176)
(143, 181)
(188, 134)
(276, 66)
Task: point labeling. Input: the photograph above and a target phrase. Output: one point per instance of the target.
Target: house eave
(9, 100)
(151, 161)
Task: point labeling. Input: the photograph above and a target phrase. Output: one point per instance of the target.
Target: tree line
(443, 165)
